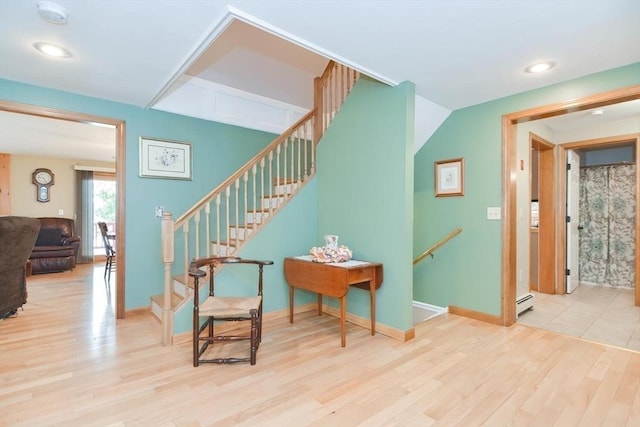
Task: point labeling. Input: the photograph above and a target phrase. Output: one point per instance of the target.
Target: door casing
(509, 182)
(54, 113)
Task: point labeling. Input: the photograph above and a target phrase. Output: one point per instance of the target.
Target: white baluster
(228, 194)
(218, 237)
(245, 208)
(298, 137)
(254, 201)
(237, 187)
(207, 238)
(314, 138)
(284, 165)
(270, 180)
(197, 233)
(185, 234)
(261, 188)
(277, 175)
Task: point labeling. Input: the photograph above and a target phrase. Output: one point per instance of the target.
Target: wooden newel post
(167, 260)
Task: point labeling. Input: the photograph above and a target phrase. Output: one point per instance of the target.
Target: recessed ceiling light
(51, 49)
(539, 67)
(52, 12)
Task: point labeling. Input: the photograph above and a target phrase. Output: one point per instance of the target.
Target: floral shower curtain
(607, 215)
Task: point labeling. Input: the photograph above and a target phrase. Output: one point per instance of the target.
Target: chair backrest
(214, 263)
(104, 231)
(17, 237)
(67, 226)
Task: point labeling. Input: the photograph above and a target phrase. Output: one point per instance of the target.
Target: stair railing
(432, 249)
(230, 214)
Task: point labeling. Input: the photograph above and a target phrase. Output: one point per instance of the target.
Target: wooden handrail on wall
(437, 245)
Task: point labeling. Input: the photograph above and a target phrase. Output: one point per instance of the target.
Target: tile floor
(595, 313)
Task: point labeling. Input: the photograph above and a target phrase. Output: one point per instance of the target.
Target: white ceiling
(458, 53)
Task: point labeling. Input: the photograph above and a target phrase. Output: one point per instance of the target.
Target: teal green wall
(365, 191)
(218, 150)
(466, 272)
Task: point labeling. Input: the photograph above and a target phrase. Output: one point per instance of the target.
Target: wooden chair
(247, 306)
(109, 251)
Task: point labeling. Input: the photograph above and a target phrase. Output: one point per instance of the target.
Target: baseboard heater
(524, 302)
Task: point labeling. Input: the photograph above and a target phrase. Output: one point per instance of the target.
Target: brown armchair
(18, 234)
(57, 246)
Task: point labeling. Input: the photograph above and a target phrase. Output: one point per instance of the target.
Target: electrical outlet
(60, 212)
(493, 213)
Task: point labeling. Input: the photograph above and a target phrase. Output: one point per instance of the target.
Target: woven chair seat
(217, 309)
(229, 306)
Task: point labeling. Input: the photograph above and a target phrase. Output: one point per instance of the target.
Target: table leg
(319, 304)
(290, 304)
(343, 315)
(372, 295)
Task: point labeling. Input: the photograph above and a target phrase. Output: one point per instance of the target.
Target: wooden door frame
(562, 199)
(54, 113)
(547, 212)
(510, 173)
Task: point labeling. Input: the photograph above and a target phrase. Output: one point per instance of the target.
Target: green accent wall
(218, 150)
(466, 272)
(365, 192)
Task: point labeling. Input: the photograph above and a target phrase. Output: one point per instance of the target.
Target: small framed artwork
(160, 158)
(449, 177)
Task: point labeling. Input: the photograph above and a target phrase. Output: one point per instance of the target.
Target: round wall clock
(43, 179)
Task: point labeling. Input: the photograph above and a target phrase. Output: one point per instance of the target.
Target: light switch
(159, 211)
(493, 213)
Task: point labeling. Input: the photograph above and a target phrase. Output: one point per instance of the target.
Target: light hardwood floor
(65, 361)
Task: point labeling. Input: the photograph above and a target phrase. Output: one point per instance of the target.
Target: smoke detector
(52, 12)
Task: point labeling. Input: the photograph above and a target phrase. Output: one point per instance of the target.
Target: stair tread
(281, 181)
(227, 243)
(159, 299)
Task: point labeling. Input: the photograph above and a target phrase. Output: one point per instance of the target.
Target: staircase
(225, 219)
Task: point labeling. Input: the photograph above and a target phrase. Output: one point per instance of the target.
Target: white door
(573, 211)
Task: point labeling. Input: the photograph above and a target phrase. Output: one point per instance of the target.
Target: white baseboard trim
(423, 311)
(431, 307)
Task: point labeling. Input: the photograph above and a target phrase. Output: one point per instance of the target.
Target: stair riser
(285, 188)
(239, 233)
(180, 289)
(224, 250)
(272, 202)
(156, 310)
(258, 218)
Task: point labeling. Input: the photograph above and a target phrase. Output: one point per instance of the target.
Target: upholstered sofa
(18, 235)
(57, 246)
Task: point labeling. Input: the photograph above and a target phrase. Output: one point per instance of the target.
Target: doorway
(510, 172)
(609, 267)
(32, 110)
